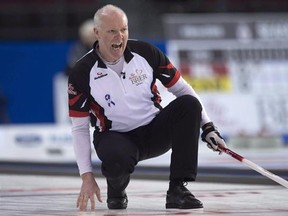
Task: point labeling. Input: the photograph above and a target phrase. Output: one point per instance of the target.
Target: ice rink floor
(45, 195)
(224, 185)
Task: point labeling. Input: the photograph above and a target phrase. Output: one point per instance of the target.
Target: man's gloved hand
(212, 137)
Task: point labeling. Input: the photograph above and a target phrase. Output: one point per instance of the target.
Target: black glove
(212, 137)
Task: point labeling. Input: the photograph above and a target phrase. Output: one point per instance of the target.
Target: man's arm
(82, 143)
(82, 148)
(181, 87)
(210, 134)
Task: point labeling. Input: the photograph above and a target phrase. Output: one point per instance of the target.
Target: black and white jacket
(121, 103)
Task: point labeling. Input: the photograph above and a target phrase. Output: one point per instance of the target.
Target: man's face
(112, 36)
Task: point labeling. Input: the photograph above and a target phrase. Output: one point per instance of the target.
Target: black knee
(192, 102)
(117, 166)
(189, 103)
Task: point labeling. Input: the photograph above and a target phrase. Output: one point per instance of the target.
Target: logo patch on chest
(138, 77)
(100, 75)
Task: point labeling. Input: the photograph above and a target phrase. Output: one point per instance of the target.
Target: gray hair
(104, 10)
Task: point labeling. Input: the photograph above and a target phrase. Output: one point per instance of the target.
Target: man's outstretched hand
(88, 191)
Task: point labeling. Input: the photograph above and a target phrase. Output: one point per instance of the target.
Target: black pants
(177, 126)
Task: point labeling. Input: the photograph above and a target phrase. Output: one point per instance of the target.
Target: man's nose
(119, 34)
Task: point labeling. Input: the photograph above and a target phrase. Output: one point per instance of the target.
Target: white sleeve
(181, 87)
(81, 143)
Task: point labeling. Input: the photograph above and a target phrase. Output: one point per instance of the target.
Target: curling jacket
(126, 102)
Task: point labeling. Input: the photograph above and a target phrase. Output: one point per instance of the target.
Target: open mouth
(117, 46)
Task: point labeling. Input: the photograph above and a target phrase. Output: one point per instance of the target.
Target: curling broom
(254, 166)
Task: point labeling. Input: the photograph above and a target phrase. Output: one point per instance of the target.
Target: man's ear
(96, 32)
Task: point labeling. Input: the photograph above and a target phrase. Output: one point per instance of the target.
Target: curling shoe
(118, 202)
(179, 197)
(116, 195)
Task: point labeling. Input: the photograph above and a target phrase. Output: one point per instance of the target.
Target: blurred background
(233, 52)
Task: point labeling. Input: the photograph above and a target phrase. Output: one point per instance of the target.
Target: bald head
(111, 31)
(106, 12)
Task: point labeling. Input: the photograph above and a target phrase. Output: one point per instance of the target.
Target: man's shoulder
(86, 62)
(134, 44)
(83, 66)
(142, 48)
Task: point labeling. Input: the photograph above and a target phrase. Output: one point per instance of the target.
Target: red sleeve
(174, 79)
(78, 102)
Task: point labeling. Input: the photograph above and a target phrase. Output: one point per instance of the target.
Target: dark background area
(35, 36)
(59, 19)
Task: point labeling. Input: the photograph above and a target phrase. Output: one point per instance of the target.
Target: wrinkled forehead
(113, 19)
